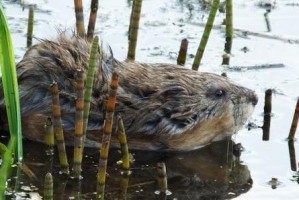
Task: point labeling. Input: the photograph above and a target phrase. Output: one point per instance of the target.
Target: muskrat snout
(253, 99)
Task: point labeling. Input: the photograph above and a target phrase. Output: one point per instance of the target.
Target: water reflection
(214, 172)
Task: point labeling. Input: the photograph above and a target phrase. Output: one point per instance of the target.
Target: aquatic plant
(30, 26)
(79, 18)
(78, 139)
(89, 83)
(92, 19)
(181, 60)
(10, 88)
(205, 35)
(294, 122)
(49, 135)
(48, 187)
(267, 114)
(228, 32)
(122, 138)
(7, 159)
(133, 28)
(107, 130)
(58, 130)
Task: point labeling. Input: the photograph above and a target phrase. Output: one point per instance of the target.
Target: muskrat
(163, 106)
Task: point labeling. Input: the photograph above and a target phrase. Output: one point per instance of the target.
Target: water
(163, 24)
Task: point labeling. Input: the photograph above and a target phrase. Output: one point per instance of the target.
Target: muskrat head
(220, 109)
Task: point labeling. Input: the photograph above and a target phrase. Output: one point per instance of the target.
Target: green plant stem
(133, 28)
(30, 26)
(10, 85)
(205, 36)
(89, 84)
(228, 31)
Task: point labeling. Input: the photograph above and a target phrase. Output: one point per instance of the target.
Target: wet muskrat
(163, 106)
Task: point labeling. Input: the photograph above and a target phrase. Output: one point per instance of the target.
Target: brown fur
(163, 106)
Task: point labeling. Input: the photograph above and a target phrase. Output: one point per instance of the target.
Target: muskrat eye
(219, 92)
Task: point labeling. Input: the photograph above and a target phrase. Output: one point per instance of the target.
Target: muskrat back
(163, 106)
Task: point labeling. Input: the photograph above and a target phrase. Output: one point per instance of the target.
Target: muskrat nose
(253, 99)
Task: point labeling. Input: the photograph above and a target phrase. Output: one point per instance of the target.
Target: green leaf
(10, 85)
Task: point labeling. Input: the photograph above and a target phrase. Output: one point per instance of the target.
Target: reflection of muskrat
(163, 106)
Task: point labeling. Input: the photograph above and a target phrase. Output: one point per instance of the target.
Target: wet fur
(163, 106)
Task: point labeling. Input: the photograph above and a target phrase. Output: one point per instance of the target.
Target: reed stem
(133, 28)
(79, 18)
(30, 26)
(267, 21)
(58, 131)
(122, 138)
(92, 19)
(107, 130)
(6, 165)
(292, 154)
(89, 84)
(48, 187)
(78, 141)
(10, 86)
(162, 177)
(267, 114)
(181, 60)
(49, 135)
(228, 32)
(205, 35)
(294, 122)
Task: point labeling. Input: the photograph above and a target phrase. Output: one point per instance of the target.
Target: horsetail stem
(162, 177)
(79, 18)
(30, 26)
(89, 84)
(133, 28)
(49, 135)
(78, 141)
(205, 36)
(181, 60)
(58, 131)
(48, 187)
(121, 135)
(267, 114)
(101, 175)
(92, 19)
(228, 31)
(294, 122)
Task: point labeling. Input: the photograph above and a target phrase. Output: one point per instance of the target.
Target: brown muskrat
(163, 106)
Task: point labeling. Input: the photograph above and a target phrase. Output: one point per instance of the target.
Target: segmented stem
(228, 31)
(58, 131)
(89, 83)
(92, 19)
(101, 175)
(133, 28)
(181, 60)
(48, 187)
(78, 141)
(294, 122)
(30, 26)
(79, 18)
(205, 35)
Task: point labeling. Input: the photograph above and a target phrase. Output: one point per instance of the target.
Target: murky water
(213, 172)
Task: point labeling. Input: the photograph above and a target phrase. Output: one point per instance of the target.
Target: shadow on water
(213, 172)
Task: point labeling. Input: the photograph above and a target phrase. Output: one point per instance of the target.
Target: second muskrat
(163, 106)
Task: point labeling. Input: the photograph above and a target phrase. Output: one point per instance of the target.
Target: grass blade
(10, 85)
